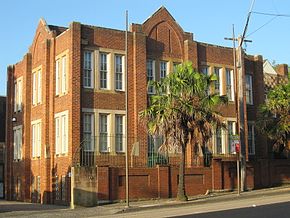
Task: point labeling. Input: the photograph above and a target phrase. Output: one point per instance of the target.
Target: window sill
(60, 95)
(61, 155)
(35, 105)
(17, 160)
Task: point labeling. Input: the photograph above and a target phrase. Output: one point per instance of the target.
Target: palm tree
(274, 117)
(183, 112)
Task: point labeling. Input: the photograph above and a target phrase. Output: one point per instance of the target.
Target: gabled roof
(58, 29)
(159, 10)
(268, 68)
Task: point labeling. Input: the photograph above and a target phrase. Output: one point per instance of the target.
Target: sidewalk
(21, 209)
(135, 206)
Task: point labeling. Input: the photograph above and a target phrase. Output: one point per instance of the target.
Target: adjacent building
(2, 143)
(66, 102)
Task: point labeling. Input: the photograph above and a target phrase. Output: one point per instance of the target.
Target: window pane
(218, 140)
(103, 70)
(88, 132)
(119, 132)
(229, 80)
(217, 82)
(87, 74)
(103, 130)
(150, 75)
(163, 69)
(118, 72)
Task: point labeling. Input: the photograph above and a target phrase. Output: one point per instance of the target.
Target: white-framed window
(231, 136)
(218, 83)
(88, 69)
(17, 143)
(18, 90)
(104, 133)
(150, 75)
(219, 141)
(104, 77)
(61, 133)
(205, 70)
(119, 133)
(88, 131)
(36, 87)
(249, 89)
(230, 84)
(251, 138)
(119, 72)
(163, 69)
(61, 75)
(36, 138)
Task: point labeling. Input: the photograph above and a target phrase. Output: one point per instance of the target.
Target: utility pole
(126, 99)
(239, 72)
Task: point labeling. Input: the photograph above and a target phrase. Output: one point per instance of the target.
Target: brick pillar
(217, 178)
(163, 181)
(103, 183)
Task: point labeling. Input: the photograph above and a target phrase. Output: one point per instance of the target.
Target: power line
(269, 21)
(271, 14)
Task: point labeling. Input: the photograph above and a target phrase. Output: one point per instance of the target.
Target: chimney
(282, 69)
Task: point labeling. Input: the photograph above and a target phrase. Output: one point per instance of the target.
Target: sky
(209, 20)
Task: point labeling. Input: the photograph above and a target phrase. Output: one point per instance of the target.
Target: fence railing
(109, 150)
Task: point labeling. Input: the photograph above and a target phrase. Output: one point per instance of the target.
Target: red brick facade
(159, 38)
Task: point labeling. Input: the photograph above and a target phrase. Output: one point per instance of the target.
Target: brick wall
(160, 38)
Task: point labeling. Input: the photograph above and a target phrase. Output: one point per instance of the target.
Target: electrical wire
(271, 14)
(269, 21)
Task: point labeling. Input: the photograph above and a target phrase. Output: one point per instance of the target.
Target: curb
(208, 199)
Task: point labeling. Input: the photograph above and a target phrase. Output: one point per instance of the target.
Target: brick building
(2, 142)
(66, 101)
(274, 75)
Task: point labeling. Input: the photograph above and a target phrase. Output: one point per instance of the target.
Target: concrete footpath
(20, 209)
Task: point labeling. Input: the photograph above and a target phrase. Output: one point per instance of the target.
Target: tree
(183, 112)
(274, 116)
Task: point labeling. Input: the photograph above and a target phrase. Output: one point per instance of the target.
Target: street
(265, 203)
(281, 210)
(261, 206)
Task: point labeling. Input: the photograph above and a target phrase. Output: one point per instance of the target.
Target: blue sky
(209, 20)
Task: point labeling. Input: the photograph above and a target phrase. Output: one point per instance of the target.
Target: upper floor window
(119, 72)
(18, 87)
(251, 137)
(249, 89)
(61, 133)
(163, 69)
(88, 72)
(61, 75)
(150, 75)
(218, 82)
(36, 87)
(36, 138)
(205, 70)
(230, 84)
(17, 143)
(103, 70)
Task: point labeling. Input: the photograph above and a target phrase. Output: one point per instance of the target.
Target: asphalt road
(279, 210)
(268, 206)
